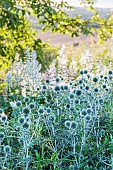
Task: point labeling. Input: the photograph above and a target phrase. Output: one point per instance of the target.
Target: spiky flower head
(7, 149)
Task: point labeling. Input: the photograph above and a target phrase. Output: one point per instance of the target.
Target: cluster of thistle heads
(60, 113)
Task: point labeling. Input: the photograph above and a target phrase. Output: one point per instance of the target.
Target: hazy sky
(100, 3)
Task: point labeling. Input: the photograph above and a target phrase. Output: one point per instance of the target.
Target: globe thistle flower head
(26, 99)
(48, 110)
(87, 87)
(4, 118)
(85, 71)
(71, 96)
(78, 92)
(80, 81)
(40, 110)
(96, 90)
(73, 125)
(57, 80)
(81, 72)
(68, 106)
(26, 126)
(21, 120)
(88, 76)
(18, 103)
(47, 81)
(77, 101)
(67, 124)
(72, 109)
(7, 149)
(101, 100)
(62, 88)
(44, 87)
(95, 79)
(57, 88)
(51, 118)
(105, 77)
(2, 135)
(88, 117)
(35, 122)
(26, 111)
(101, 76)
(102, 132)
(104, 86)
(31, 105)
(110, 72)
(66, 87)
(89, 110)
(71, 167)
(83, 113)
(1, 111)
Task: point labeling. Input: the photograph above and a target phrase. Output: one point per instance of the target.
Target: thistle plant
(60, 124)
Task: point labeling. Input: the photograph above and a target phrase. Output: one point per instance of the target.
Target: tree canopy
(16, 32)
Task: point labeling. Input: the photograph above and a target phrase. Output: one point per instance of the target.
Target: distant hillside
(103, 12)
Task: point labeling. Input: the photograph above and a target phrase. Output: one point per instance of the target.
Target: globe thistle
(77, 101)
(95, 79)
(4, 118)
(73, 125)
(35, 122)
(26, 99)
(67, 124)
(18, 103)
(2, 135)
(1, 111)
(44, 87)
(68, 106)
(71, 96)
(102, 132)
(26, 125)
(81, 72)
(80, 81)
(101, 100)
(89, 110)
(65, 87)
(110, 72)
(52, 118)
(47, 81)
(40, 110)
(101, 76)
(26, 111)
(57, 88)
(78, 92)
(62, 88)
(7, 149)
(71, 167)
(70, 83)
(87, 87)
(104, 86)
(72, 109)
(88, 117)
(105, 77)
(21, 120)
(85, 71)
(83, 113)
(96, 90)
(48, 110)
(31, 105)
(88, 76)
(57, 80)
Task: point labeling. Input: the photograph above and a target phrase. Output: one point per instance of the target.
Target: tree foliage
(16, 31)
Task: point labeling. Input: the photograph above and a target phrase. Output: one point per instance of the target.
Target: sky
(100, 3)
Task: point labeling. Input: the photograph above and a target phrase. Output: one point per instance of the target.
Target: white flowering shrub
(65, 125)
